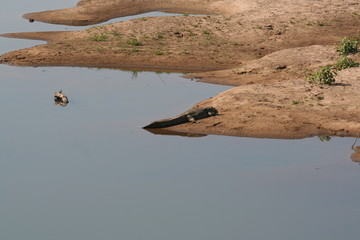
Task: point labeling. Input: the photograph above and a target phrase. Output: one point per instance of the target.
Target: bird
(60, 98)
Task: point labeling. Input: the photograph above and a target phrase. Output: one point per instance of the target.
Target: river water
(88, 171)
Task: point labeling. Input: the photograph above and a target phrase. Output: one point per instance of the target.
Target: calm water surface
(88, 171)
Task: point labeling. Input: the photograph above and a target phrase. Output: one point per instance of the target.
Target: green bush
(324, 75)
(348, 46)
(159, 53)
(134, 42)
(344, 63)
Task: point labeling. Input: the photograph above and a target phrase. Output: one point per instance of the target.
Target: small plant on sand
(319, 23)
(348, 46)
(324, 75)
(206, 32)
(134, 42)
(159, 36)
(116, 34)
(99, 38)
(344, 63)
(159, 53)
(191, 33)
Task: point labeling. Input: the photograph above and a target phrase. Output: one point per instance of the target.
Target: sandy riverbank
(262, 47)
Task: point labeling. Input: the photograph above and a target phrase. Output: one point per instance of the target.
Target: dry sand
(263, 47)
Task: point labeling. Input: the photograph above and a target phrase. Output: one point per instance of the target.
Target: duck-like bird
(60, 98)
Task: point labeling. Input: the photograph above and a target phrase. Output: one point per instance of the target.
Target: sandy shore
(262, 47)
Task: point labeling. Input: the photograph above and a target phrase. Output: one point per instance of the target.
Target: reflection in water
(355, 156)
(162, 131)
(324, 138)
(60, 103)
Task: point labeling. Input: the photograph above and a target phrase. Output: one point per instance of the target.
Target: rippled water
(88, 171)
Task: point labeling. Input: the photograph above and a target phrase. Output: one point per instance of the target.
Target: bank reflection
(355, 156)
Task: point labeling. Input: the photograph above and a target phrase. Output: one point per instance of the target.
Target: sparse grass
(207, 32)
(116, 34)
(159, 53)
(295, 102)
(344, 63)
(319, 98)
(159, 35)
(99, 38)
(320, 24)
(316, 23)
(324, 75)
(348, 46)
(356, 14)
(133, 42)
(191, 33)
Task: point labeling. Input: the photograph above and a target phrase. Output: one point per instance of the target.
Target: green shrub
(348, 46)
(344, 63)
(134, 42)
(159, 53)
(324, 75)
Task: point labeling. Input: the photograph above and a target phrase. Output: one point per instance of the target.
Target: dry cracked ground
(263, 48)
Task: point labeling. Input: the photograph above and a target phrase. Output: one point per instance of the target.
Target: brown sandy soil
(262, 45)
(288, 109)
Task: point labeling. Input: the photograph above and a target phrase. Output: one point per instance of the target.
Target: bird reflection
(355, 156)
(60, 103)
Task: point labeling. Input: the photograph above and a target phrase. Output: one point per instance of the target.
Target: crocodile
(189, 116)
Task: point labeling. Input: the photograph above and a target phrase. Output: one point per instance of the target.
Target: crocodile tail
(168, 123)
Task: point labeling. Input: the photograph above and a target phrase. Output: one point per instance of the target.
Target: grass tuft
(344, 63)
(348, 46)
(324, 75)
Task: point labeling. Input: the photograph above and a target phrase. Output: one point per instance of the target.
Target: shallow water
(88, 171)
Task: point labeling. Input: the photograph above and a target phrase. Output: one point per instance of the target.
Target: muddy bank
(266, 48)
(244, 31)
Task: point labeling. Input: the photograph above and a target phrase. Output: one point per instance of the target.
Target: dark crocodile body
(186, 117)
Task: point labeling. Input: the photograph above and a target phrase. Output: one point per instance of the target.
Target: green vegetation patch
(324, 75)
(99, 37)
(348, 46)
(344, 63)
(134, 42)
